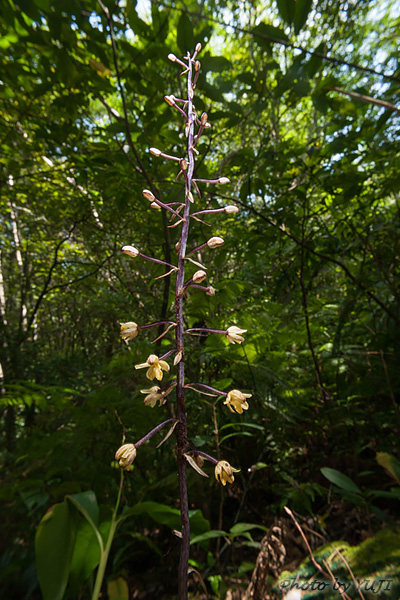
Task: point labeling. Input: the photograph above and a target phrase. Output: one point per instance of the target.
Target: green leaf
(265, 34)
(54, 546)
(294, 12)
(118, 589)
(86, 556)
(390, 464)
(285, 8)
(87, 502)
(215, 64)
(208, 535)
(341, 480)
(166, 515)
(301, 11)
(184, 34)
(240, 528)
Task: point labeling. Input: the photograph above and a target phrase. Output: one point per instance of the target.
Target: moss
(375, 563)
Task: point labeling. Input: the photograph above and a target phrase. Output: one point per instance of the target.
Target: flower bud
(207, 125)
(148, 195)
(130, 251)
(210, 291)
(198, 47)
(214, 242)
(197, 65)
(178, 246)
(231, 208)
(221, 179)
(155, 151)
(204, 118)
(126, 455)
(183, 164)
(172, 57)
(155, 205)
(199, 276)
(170, 100)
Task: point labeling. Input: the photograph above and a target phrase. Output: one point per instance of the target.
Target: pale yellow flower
(126, 455)
(233, 334)
(224, 471)
(236, 401)
(155, 367)
(153, 395)
(156, 393)
(129, 330)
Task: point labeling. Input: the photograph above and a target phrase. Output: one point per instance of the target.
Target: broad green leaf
(264, 34)
(286, 10)
(86, 556)
(86, 502)
(118, 589)
(240, 528)
(54, 546)
(301, 11)
(184, 35)
(208, 535)
(341, 480)
(390, 464)
(216, 64)
(167, 515)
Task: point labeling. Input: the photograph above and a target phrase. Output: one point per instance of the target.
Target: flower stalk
(157, 367)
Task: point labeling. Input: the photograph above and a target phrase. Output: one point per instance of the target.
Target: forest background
(303, 99)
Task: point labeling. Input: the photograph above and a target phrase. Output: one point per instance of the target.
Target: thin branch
(366, 99)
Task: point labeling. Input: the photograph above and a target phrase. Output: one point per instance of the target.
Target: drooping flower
(224, 472)
(156, 393)
(155, 367)
(126, 455)
(153, 395)
(236, 401)
(129, 330)
(233, 334)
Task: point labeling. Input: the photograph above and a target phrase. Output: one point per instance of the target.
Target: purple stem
(181, 429)
(157, 260)
(152, 432)
(207, 211)
(166, 206)
(197, 248)
(207, 456)
(207, 387)
(200, 329)
(167, 354)
(155, 324)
